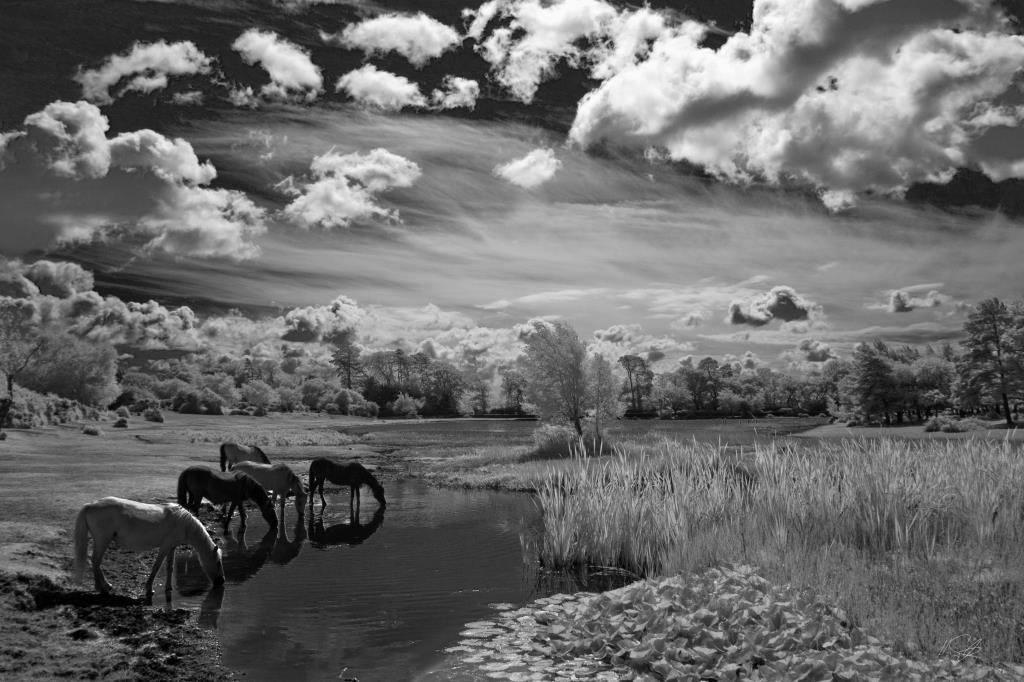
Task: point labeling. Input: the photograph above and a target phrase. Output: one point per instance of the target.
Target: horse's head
(378, 492)
(217, 572)
(258, 494)
(300, 495)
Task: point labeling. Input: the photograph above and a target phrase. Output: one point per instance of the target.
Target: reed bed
(269, 437)
(933, 526)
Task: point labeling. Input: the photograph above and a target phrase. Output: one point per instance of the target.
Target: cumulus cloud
(814, 350)
(456, 93)
(69, 139)
(902, 301)
(381, 89)
(525, 52)
(343, 188)
(146, 65)
(533, 170)
(780, 303)
(59, 278)
(419, 38)
(292, 73)
(845, 96)
(206, 223)
(630, 339)
(317, 323)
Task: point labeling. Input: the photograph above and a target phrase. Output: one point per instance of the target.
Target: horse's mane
(194, 526)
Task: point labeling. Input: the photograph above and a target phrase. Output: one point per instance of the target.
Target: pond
(378, 599)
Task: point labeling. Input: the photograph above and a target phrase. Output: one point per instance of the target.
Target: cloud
(630, 339)
(381, 89)
(205, 223)
(903, 302)
(69, 140)
(419, 38)
(525, 52)
(172, 160)
(814, 350)
(531, 171)
(71, 137)
(456, 93)
(192, 98)
(344, 188)
(59, 278)
(317, 323)
(292, 72)
(150, 63)
(844, 96)
(780, 303)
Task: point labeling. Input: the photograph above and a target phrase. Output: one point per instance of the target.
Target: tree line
(556, 378)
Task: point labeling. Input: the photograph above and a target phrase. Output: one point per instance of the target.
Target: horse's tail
(183, 487)
(223, 457)
(81, 545)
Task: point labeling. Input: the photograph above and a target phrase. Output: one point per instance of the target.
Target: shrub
(33, 409)
(552, 441)
(259, 394)
(123, 413)
(170, 388)
(3, 435)
(153, 414)
(211, 402)
(289, 399)
(187, 402)
(405, 406)
(92, 430)
(121, 423)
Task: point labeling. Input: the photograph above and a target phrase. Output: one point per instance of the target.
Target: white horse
(233, 453)
(278, 479)
(139, 526)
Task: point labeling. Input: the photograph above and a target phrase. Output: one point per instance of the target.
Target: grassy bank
(918, 541)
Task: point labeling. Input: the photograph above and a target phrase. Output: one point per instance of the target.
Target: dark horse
(353, 474)
(197, 482)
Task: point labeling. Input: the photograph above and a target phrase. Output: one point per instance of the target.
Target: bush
(3, 435)
(289, 399)
(121, 423)
(170, 389)
(153, 414)
(187, 402)
(123, 413)
(259, 394)
(33, 409)
(405, 406)
(211, 402)
(551, 441)
(950, 425)
(92, 430)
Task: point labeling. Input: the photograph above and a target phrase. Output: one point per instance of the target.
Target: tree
(870, 387)
(345, 356)
(989, 365)
(513, 388)
(601, 392)
(671, 393)
(74, 368)
(21, 342)
(444, 388)
(639, 380)
(555, 371)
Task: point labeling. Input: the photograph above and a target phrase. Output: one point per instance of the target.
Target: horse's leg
(99, 548)
(170, 571)
(241, 511)
(323, 502)
(152, 574)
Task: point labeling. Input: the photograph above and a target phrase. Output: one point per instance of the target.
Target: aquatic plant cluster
(921, 541)
(723, 624)
(273, 437)
(689, 506)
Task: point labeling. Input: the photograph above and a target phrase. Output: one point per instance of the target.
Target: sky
(769, 178)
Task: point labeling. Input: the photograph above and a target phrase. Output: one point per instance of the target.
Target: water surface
(378, 599)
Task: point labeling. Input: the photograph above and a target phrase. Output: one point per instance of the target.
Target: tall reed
(831, 515)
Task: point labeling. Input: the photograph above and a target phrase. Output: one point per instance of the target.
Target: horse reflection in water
(352, 474)
(352, 533)
(242, 561)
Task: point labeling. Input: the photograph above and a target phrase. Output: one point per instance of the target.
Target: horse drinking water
(233, 453)
(139, 526)
(278, 478)
(352, 474)
(197, 482)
